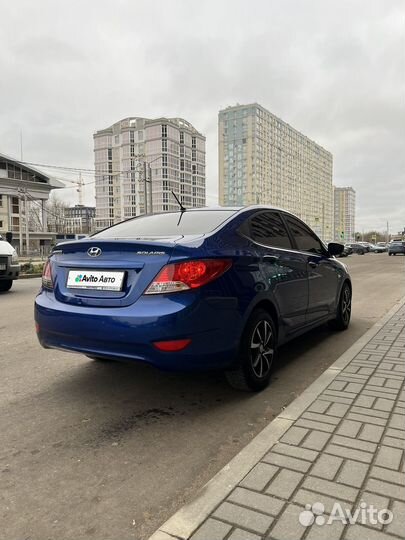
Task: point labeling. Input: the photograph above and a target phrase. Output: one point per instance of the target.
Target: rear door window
(268, 229)
(305, 239)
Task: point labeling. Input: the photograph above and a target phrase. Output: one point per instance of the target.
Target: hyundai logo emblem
(94, 252)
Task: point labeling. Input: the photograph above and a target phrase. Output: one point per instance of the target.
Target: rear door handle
(312, 264)
(270, 259)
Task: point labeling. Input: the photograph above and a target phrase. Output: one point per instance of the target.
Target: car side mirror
(335, 249)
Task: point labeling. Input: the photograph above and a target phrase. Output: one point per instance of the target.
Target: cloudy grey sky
(334, 70)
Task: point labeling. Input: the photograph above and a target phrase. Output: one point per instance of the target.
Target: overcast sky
(334, 70)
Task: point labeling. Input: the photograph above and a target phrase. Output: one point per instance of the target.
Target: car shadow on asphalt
(120, 398)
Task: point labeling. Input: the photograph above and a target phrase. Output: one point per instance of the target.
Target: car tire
(344, 309)
(5, 285)
(257, 354)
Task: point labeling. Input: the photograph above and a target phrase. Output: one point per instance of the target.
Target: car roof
(236, 209)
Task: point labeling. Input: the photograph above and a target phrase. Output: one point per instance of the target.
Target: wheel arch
(267, 305)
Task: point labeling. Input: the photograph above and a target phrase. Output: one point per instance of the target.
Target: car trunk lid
(135, 261)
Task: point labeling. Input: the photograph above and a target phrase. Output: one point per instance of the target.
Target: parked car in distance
(347, 250)
(366, 245)
(357, 248)
(9, 265)
(194, 290)
(396, 247)
(379, 248)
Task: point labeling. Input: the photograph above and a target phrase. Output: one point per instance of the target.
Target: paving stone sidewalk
(346, 447)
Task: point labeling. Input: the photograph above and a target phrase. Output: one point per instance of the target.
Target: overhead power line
(82, 169)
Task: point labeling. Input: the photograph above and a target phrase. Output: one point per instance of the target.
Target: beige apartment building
(263, 160)
(168, 152)
(344, 213)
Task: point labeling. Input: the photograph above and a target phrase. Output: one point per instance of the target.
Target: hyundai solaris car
(201, 289)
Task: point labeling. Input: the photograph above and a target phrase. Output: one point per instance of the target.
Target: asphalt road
(108, 450)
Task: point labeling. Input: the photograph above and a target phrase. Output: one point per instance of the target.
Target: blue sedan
(211, 288)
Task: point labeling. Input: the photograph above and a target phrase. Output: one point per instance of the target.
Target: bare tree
(34, 217)
(56, 214)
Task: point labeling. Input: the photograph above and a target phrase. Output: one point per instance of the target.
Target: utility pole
(27, 230)
(20, 227)
(388, 232)
(145, 186)
(21, 145)
(150, 189)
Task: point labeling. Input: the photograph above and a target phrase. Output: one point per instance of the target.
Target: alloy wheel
(346, 305)
(262, 349)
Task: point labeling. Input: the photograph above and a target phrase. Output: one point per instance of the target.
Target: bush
(32, 268)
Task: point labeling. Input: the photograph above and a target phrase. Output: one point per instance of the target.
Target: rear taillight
(47, 276)
(187, 275)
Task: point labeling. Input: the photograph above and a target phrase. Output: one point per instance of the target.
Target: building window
(164, 160)
(164, 131)
(193, 142)
(109, 154)
(1, 200)
(15, 207)
(181, 137)
(164, 173)
(164, 145)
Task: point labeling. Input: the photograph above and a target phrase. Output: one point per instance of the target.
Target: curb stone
(187, 519)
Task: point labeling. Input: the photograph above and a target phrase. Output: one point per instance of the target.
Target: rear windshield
(171, 224)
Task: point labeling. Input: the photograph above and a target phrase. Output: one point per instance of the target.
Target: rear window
(171, 224)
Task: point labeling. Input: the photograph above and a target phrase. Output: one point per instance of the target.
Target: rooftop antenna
(182, 208)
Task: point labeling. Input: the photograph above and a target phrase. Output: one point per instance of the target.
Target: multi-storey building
(264, 160)
(23, 212)
(344, 213)
(168, 152)
(79, 219)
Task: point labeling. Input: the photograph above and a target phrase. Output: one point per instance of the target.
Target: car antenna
(182, 208)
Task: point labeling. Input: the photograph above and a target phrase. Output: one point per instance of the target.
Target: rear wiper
(182, 208)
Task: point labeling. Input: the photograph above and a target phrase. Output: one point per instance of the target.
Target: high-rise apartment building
(263, 160)
(344, 213)
(170, 152)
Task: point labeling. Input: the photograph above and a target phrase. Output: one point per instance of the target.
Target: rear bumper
(128, 333)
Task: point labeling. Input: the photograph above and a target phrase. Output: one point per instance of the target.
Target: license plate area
(98, 280)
